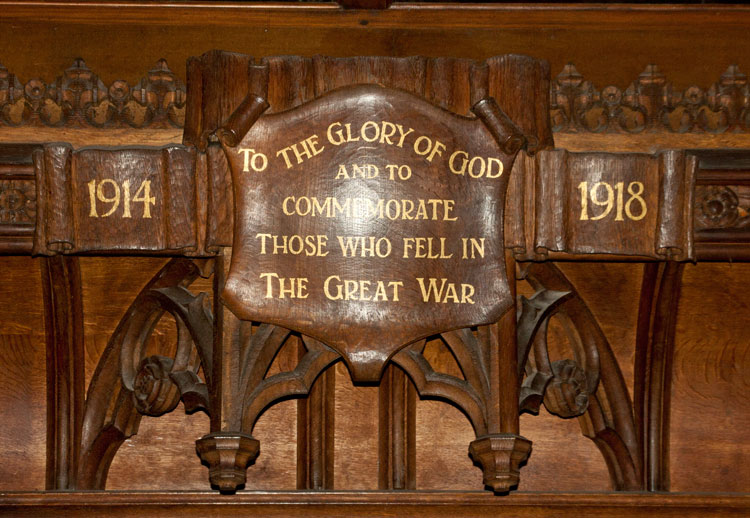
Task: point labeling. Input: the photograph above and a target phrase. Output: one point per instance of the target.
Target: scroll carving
(589, 385)
(353, 325)
(513, 80)
(118, 199)
(604, 203)
(356, 94)
(127, 384)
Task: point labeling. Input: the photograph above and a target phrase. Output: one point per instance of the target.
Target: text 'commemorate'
(373, 215)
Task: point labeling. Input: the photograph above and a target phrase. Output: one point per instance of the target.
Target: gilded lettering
(253, 160)
(364, 246)
(309, 245)
(343, 173)
(445, 292)
(476, 167)
(370, 125)
(334, 288)
(293, 287)
(472, 247)
(388, 130)
(430, 150)
(425, 248)
(402, 134)
(362, 208)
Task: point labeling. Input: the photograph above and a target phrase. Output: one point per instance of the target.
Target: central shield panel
(368, 219)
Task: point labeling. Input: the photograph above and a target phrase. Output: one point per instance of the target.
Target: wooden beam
(350, 503)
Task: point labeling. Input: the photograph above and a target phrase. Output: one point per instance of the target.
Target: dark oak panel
(601, 353)
(544, 505)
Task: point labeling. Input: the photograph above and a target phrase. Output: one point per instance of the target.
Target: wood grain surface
(711, 365)
(280, 504)
(709, 371)
(610, 45)
(23, 384)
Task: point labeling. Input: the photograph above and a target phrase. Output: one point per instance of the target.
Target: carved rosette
(567, 393)
(17, 202)
(718, 206)
(154, 393)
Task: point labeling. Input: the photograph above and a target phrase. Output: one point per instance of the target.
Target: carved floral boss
(368, 219)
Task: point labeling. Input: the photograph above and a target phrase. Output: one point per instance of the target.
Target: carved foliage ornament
(650, 103)
(80, 98)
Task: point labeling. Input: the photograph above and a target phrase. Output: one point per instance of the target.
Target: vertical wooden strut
(657, 319)
(502, 450)
(227, 450)
(243, 353)
(315, 432)
(63, 318)
(397, 431)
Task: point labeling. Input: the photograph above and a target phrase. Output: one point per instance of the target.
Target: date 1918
(602, 194)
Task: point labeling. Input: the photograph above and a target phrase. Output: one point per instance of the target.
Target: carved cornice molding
(650, 104)
(78, 98)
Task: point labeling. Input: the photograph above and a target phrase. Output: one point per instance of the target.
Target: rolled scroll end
(240, 122)
(510, 138)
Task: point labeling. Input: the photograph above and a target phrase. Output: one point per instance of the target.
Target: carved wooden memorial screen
(358, 204)
(368, 219)
(361, 206)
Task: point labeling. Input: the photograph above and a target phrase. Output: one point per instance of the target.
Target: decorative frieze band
(650, 103)
(78, 98)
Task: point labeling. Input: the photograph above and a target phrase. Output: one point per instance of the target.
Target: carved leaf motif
(79, 98)
(650, 103)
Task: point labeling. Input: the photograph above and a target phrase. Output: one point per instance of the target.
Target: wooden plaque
(117, 199)
(622, 204)
(369, 218)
